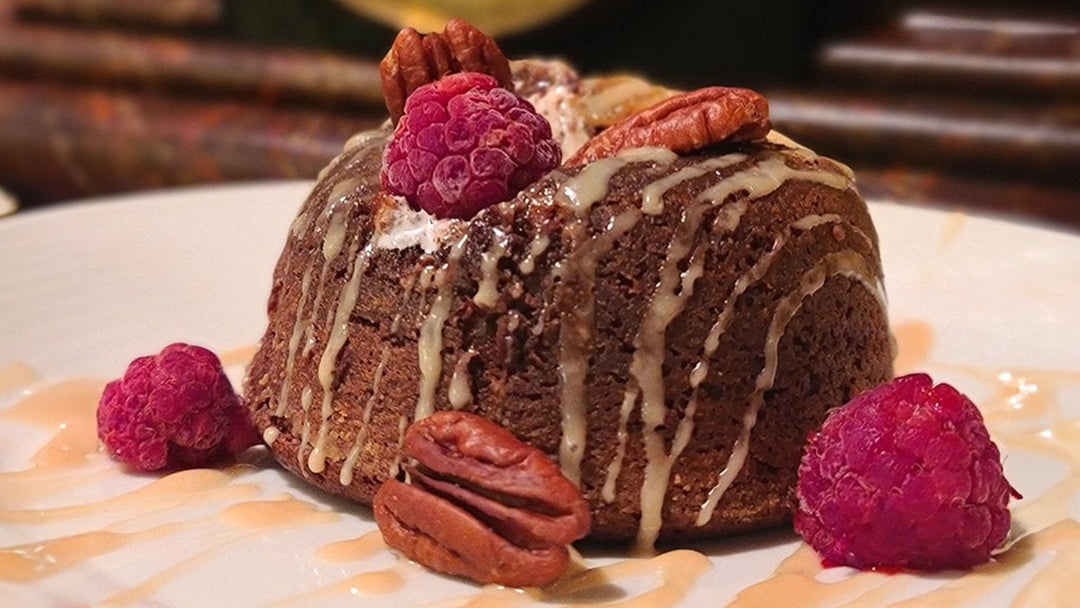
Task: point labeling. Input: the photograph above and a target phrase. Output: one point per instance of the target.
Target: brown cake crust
(510, 350)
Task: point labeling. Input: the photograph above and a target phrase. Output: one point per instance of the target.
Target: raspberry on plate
(903, 476)
(464, 144)
(173, 409)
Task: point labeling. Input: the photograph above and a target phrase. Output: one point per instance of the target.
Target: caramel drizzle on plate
(1024, 409)
(239, 518)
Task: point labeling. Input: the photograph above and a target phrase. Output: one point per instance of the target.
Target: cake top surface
(575, 108)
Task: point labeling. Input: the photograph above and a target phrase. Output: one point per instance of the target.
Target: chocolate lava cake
(669, 327)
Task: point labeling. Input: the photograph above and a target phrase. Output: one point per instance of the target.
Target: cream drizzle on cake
(579, 193)
(430, 344)
(1035, 568)
(460, 392)
(296, 230)
(700, 370)
(334, 236)
(848, 263)
(395, 465)
(487, 294)
(332, 221)
(305, 430)
(345, 477)
(537, 247)
(294, 342)
(578, 272)
(659, 157)
(646, 365)
(575, 339)
(339, 332)
(662, 311)
(585, 189)
(652, 196)
(725, 202)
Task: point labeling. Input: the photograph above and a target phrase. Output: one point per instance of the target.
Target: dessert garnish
(417, 59)
(174, 409)
(465, 143)
(904, 476)
(684, 123)
(481, 504)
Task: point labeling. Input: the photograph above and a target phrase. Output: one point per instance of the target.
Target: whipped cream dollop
(399, 226)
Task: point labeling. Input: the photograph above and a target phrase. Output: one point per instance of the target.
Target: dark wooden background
(954, 106)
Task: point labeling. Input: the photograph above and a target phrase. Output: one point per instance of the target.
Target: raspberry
(174, 409)
(903, 476)
(464, 144)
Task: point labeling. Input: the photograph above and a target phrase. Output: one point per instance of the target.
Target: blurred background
(963, 107)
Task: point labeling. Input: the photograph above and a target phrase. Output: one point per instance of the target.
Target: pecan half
(417, 59)
(683, 123)
(435, 533)
(482, 504)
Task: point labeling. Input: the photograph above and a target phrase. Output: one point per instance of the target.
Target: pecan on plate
(684, 123)
(482, 504)
(417, 59)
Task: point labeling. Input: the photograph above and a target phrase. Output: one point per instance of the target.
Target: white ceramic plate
(84, 288)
